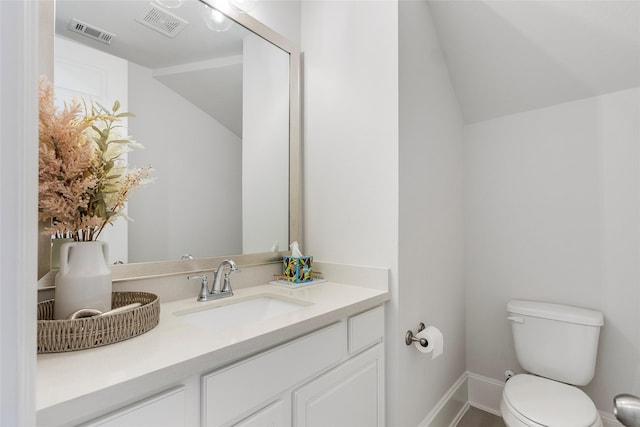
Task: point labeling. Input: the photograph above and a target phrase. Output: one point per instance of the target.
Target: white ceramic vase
(84, 279)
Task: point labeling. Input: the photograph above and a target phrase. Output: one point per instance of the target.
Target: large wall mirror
(215, 95)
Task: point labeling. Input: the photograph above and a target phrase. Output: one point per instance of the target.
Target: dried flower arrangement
(83, 180)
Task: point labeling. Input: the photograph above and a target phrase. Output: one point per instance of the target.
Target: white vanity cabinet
(331, 377)
(313, 381)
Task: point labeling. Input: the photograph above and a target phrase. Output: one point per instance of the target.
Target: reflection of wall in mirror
(265, 156)
(194, 206)
(89, 74)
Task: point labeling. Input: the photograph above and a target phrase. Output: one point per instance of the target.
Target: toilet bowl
(531, 401)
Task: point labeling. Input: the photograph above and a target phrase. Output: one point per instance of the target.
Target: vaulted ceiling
(509, 56)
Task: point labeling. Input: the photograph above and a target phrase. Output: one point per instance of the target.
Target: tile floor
(475, 417)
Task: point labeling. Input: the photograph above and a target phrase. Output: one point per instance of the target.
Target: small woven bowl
(56, 336)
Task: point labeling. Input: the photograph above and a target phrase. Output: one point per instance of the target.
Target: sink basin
(240, 313)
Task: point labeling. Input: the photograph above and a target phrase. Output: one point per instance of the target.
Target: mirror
(218, 114)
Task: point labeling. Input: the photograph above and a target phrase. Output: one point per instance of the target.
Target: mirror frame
(146, 270)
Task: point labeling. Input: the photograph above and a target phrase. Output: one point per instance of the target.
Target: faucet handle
(227, 283)
(204, 289)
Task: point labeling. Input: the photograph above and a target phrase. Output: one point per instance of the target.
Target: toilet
(557, 345)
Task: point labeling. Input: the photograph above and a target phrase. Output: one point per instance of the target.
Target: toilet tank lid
(563, 313)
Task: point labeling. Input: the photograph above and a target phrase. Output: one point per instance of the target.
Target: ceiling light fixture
(215, 19)
(171, 4)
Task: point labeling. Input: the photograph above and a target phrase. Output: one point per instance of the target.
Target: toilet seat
(537, 401)
(512, 418)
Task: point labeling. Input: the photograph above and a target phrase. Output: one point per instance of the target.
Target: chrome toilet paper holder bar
(409, 338)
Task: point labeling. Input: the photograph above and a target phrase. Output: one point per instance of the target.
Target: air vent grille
(162, 21)
(90, 31)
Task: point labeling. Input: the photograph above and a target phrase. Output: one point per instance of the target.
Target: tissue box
(298, 270)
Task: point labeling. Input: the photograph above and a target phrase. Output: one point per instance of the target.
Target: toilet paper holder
(409, 338)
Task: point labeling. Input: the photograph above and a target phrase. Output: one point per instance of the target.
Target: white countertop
(175, 347)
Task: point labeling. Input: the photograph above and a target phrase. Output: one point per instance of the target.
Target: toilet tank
(558, 342)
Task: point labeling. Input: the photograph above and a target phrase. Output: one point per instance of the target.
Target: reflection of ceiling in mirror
(222, 83)
(140, 44)
(200, 64)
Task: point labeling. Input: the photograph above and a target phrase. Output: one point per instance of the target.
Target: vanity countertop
(175, 348)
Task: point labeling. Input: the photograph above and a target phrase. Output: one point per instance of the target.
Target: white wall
(18, 209)
(351, 131)
(430, 273)
(552, 209)
(282, 16)
(201, 217)
(350, 148)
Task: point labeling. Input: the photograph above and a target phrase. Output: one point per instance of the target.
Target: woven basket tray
(55, 336)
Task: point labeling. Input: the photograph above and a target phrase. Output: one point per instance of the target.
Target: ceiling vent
(162, 21)
(90, 31)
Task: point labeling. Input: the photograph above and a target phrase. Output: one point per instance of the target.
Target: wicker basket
(55, 336)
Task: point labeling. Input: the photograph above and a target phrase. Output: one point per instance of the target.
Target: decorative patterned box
(298, 270)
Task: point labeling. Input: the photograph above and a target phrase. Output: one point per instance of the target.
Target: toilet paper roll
(434, 339)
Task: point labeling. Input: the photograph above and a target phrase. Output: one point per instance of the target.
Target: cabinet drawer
(366, 329)
(232, 392)
(165, 409)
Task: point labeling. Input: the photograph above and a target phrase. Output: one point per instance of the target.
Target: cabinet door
(239, 390)
(351, 395)
(166, 409)
(278, 414)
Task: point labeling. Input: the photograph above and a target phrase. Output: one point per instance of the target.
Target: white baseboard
(450, 409)
(454, 422)
(485, 393)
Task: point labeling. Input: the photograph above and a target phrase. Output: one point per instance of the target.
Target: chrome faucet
(218, 278)
(218, 290)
